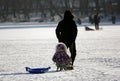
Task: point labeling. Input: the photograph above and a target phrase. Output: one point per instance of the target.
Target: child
(61, 58)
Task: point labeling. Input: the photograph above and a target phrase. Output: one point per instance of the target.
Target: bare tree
(14, 8)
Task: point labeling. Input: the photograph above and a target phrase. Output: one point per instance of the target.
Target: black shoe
(70, 67)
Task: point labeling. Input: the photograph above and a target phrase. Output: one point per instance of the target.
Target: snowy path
(98, 55)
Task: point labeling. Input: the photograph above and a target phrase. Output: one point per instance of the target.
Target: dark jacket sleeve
(75, 31)
(58, 30)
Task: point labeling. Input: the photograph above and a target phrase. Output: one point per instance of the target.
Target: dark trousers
(97, 26)
(72, 49)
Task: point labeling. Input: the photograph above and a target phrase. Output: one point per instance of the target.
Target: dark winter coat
(66, 30)
(96, 19)
(61, 58)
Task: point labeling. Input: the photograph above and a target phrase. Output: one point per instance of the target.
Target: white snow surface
(98, 54)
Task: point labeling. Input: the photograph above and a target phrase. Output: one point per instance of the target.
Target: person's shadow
(23, 73)
(7, 74)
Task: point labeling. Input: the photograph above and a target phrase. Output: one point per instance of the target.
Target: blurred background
(52, 10)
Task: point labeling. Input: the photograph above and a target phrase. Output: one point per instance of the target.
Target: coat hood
(68, 15)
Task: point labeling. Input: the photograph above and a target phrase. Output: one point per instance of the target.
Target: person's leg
(97, 26)
(72, 49)
(58, 66)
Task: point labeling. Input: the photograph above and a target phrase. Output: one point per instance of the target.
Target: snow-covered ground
(98, 54)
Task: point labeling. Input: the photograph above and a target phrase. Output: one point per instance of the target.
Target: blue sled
(37, 70)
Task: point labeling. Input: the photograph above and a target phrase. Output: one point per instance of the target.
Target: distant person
(96, 21)
(113, 19)
(66, 32)
(79, 21)
(61, 58)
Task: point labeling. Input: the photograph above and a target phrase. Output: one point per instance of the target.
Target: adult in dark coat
(66, 32)
(113, 19)
(96, 21)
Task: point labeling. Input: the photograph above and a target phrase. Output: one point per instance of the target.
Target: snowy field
(98, 54)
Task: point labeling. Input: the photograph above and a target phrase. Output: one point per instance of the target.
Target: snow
(98, 53)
